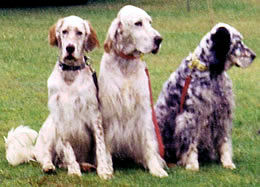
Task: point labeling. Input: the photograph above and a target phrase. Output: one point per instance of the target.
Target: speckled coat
(203, 130)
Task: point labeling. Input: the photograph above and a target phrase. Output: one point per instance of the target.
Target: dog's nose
(70, 49)
(253, 56)
(157, 40)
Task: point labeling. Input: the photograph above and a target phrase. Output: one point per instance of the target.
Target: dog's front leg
(152, 158)
(225, 151)
(225, 143)
(44, 145)
(186, 134)
(70, 159)
(103, 156)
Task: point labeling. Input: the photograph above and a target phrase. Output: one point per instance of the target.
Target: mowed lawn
(26, 61)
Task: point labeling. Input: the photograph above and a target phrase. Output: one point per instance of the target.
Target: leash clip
(88, 62)
(142, 56)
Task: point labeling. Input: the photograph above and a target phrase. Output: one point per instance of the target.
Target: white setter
(197, 125)
(73, 129)
(124, 91)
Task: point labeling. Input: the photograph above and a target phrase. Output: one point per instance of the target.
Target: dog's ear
(112, 35)
(220, 48)
(91, 41)
(108, 44)
(53, 36)
(221, 43)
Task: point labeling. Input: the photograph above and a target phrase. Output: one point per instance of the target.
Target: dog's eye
(79, 33)
(139, 23)
(64, 32)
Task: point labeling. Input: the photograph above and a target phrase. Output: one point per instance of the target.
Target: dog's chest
(130, 94)
(127, 94)
(215, 93)
(222, 91)
(69, 101)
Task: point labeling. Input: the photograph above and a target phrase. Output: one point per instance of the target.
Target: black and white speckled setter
(201, 128)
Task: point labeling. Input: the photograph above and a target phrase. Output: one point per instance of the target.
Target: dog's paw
(229, 165)
(74, 170)
(192, 162)
(192, 167)
(227, 162)
(48, 168)
(155, 166)
(104, 173)
(158, 172)
(105, 176)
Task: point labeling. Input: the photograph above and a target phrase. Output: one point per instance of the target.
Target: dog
(73, 129)
(124, 92)
(196, 125)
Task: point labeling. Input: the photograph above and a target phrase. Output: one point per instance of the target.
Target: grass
(26, 61)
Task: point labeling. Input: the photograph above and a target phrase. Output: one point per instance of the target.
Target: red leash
(157, 130)
(194, 63)
(184, 91)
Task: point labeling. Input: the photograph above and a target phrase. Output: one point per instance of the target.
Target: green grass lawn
(26, 61)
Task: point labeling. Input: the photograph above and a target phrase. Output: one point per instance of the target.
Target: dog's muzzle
(253, 55)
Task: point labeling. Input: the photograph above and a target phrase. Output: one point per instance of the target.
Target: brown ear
(108, 44)
(53, 41)
(112, 33)
(92, 40)
(53, 38)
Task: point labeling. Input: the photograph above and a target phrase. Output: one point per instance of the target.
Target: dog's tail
(19, 145)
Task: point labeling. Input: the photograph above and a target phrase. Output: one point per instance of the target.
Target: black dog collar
(66, 67)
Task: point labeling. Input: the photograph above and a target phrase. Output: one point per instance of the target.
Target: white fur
(124, 91)
(18, 145)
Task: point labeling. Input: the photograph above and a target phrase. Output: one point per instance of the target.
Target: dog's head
(223, 47)
(73, 36)
(131, 31)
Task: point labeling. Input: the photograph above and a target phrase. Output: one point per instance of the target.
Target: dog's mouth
(69, 58)
(237, 65)
(154, 51)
